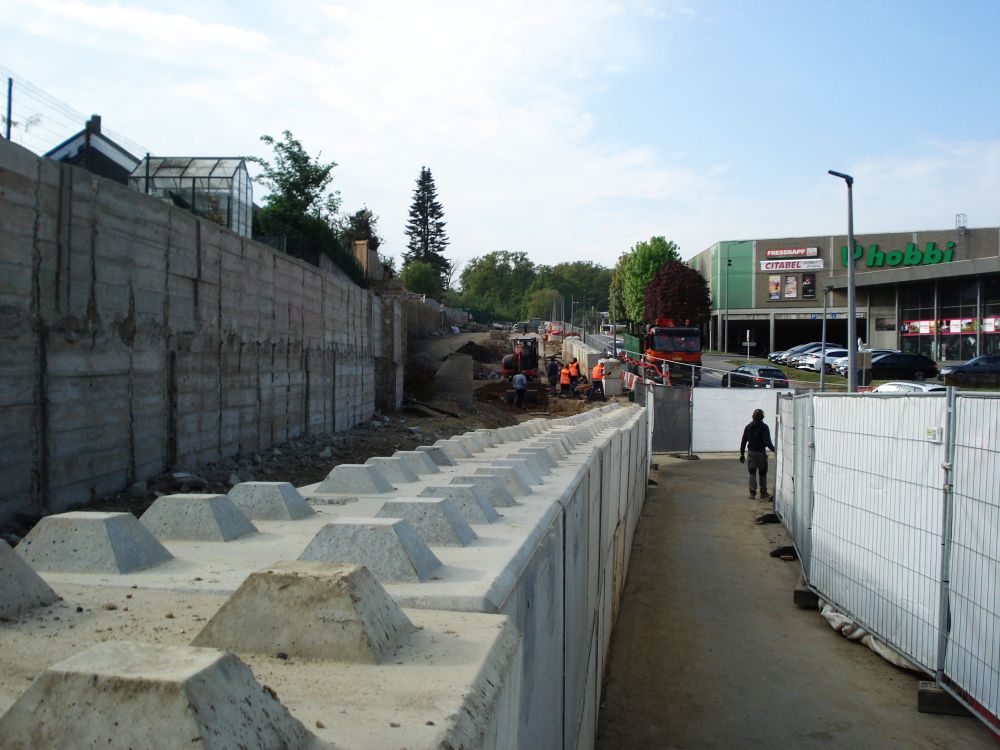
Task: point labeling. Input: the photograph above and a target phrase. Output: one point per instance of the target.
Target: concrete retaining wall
(550, 569)
(138, 337)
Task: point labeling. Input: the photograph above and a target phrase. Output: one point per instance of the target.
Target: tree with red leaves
(679, 292)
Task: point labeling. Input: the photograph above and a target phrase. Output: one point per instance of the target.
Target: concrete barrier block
(395, 470)
(202, 518)
(88, 542)
(537, 462)
(354, 479)
(309, 609)
(270, 501)
(435, 519)
(556, 444)
(420, 461)
(490, 486)
(438, 454)
(467, 498)
(21, 588)
(475, 439)
(126, 694)
(515, 485)
(548, 455)
(388, 547)
(524, 468)
(454, 448)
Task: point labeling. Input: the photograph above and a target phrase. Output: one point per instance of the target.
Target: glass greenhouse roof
(189, 167)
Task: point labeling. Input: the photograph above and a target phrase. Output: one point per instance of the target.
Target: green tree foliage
(616, 306)
(643, 261)
(540, 302)
(498, 281)
(301, 209)
(679, 292)
(361, 225)
(425, 228)
(422, 278)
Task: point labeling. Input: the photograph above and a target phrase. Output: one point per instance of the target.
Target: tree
(616, 305)
(499, 282)
(541, 301)
(425, 227)
(299, 183)
(361, 225)
(422, 278)
(679, 292)
(644, 260)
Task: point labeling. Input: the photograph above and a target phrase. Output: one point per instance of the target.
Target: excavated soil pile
(478, 353)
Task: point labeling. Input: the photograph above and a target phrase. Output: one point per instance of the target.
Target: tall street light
(725, 323)
(822, 354)
(852, 319)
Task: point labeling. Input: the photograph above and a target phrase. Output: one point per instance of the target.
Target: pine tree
(425, 227)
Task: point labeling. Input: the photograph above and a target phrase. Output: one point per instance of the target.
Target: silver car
(903, 386)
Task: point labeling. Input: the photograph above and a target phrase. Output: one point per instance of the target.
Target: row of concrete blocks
(132, 544)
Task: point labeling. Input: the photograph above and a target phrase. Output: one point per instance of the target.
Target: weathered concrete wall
(138, 337)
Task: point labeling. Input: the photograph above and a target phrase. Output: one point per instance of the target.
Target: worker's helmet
(758, 414)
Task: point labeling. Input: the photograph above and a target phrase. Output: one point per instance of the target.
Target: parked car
(811, 361)
(755, 376)
(789, 357)
(982, 370)
(899, 365)
(902, 386)
(612, 350)
(839, 366)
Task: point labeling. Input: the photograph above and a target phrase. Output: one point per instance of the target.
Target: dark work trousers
(554, 382)
(519, 402)
(596, 390)
(757, 464)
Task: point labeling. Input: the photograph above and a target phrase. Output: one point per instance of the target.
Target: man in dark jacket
(757, 437)
(552, 371)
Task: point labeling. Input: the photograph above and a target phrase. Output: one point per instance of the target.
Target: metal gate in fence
(671, 417)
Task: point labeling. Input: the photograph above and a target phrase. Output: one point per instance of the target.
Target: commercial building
(935, 292)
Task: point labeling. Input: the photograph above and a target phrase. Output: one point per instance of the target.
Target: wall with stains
(136, 337)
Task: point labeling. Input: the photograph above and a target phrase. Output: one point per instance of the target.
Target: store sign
(791, 252)
(911, 256)
(792, 265)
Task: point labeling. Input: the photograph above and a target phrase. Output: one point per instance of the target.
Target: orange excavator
(523, 359)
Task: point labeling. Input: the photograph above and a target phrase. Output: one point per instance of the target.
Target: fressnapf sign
(791, 252)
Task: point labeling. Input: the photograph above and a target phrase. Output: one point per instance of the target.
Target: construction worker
(597, 382)
(757, 437)
(574, 375)
(565, 381)
(552, 371)
(520, 386)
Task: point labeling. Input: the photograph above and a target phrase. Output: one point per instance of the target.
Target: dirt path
(710, 652)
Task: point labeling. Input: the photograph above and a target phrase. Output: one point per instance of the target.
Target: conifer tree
(425, 227)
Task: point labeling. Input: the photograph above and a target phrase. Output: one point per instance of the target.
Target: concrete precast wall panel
(141, 337)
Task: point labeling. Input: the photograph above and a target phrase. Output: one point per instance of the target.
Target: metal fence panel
(877, 515)
(972, 662)
(784, 464)
(720, 414)
(671, 418)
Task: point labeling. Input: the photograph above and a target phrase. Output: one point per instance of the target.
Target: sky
(566, 129)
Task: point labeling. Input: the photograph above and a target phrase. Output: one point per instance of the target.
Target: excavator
(524, 358)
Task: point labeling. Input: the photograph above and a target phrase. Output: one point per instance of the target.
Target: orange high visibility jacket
(564, 376)
(598, 372)
(574, 369)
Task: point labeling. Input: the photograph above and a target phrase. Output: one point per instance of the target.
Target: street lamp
(822, 353)
(725, 320)
(852, 320)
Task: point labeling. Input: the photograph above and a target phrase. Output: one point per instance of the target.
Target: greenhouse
(216, 188)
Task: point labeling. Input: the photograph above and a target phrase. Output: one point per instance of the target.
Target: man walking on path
(757, 437)
(596, 382)
(520, 386)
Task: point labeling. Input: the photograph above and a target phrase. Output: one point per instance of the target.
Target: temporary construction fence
(893, 502)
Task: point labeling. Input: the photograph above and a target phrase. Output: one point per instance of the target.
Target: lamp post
(822, 353)
(852, 319)
(725, 320)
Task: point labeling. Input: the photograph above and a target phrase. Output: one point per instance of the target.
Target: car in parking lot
(900, 365)
(839, 366)
(982, 370)
(902, 386)
(755, 376)
(811, 361)
(792, 355)
(612, 350)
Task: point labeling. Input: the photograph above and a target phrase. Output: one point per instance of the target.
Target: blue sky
(568, 130)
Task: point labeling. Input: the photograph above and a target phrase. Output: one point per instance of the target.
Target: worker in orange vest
(565, 380)
(574, 375)
(597, 382)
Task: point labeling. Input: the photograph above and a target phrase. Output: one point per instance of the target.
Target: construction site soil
(308, 458)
